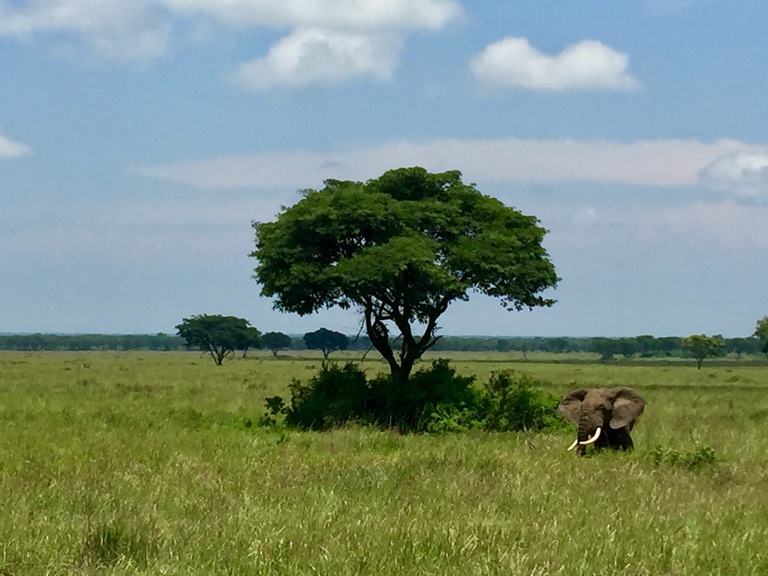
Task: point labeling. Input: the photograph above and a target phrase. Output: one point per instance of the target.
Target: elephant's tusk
(572, 446)
(593, 439)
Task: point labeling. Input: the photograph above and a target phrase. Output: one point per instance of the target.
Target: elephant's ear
(570, 406)
(627, 406)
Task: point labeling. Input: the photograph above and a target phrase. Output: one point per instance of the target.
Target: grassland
(143, 463)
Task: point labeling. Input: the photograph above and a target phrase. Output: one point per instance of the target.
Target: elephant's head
(604, 416)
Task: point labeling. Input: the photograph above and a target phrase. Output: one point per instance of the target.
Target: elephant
(605, 416)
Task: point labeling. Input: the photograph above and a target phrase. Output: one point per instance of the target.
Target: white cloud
(587, 65)
(326, 40)
(358, 15)
(11, 149)
(651, 163)
(742, 175)
(125, 31)
(311, 56)
(330, 41)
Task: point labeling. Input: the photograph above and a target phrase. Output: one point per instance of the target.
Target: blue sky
(139, 139)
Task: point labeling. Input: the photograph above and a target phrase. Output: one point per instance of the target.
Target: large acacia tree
(400, 248)
(326, 340)
(218, 335)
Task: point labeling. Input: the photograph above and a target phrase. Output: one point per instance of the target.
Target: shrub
(429, 392)
(448, 418)
(699, 457)
(435, 399)
(334, 396)
(276, 411)
(513, 402)
(339, 395)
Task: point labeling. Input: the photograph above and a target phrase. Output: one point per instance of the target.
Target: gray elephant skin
(604, 416)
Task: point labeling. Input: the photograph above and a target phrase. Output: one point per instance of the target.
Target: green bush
(413, 406)
(276, 411)
(435, 399)
(701, 456)
(448, 418)
(334, 396)
(513, 402)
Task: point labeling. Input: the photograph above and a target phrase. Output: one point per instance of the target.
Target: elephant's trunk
(585, 428)
(588, 425)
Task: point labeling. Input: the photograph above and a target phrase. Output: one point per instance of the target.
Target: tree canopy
(218, 335)
(326, 340)
(761, 332)
(401, 248)
(276, 341)
(702, 346)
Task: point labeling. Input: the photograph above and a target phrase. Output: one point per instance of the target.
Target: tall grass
(134, 463)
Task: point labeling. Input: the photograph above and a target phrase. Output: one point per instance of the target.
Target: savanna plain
(155, 463)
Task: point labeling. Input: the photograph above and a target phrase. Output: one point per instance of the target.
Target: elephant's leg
(604, 441)
(623, 441)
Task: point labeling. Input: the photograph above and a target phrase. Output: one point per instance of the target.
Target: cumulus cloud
(318, 56)
(11, 149)
(650, 163)
(742, 175)
(330, 40)
(359, 15)
(125, 31)
(326, 40)
(587, 65)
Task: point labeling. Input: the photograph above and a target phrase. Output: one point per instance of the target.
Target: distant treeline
(84, 342)
(643, 346)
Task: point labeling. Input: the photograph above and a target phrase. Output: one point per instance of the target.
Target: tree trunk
(402, 372)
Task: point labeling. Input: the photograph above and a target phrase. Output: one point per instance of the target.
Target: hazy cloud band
(650, 163)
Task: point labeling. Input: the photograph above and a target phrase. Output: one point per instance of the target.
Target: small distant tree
(741, 346)
(503, 345)
(557, 345)
(626, 347)
(326, 340)
(606, 347)
(761, 332)
(276, 341)
(251, 339)
(702, 346)
(668, 345)
(218, 335)
(647, 345)
(524, 346)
